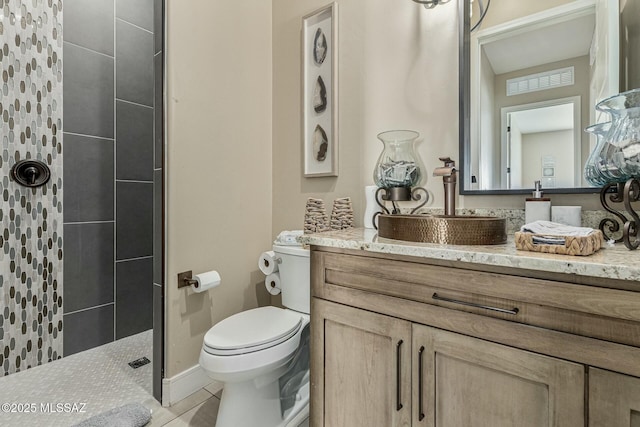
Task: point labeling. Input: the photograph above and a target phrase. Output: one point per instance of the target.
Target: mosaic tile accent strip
(30, 219)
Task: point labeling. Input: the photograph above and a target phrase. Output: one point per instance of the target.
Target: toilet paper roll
(206, 281)
(268, 263)
(272, 283)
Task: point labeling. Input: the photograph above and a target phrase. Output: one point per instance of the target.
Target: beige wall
(398, 68)
(219, 163)
(290, 188)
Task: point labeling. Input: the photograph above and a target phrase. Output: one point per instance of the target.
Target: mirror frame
(464, 126)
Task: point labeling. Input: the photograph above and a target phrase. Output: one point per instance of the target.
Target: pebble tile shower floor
(101, 379)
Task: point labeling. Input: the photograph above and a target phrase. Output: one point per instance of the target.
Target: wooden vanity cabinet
(384, 371)
(614, 399)
(385, 353)
(465, 381)
(366, 375)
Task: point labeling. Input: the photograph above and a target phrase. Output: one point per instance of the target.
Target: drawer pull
(513, 311)
(420, 391)
(398, 376)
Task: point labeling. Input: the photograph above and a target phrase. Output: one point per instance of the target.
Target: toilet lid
(252, 330)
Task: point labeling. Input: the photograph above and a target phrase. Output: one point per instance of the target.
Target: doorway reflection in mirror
(538, 69)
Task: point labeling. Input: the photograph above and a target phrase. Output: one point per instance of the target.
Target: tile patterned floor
(101, 379)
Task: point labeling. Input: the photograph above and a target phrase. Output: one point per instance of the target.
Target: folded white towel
(554, 229)
(288, 238)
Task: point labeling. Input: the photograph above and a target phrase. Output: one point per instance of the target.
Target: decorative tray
(573, 245)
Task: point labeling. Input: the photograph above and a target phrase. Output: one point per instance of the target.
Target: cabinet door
(360, 368)
(467, 382)
(614, 399)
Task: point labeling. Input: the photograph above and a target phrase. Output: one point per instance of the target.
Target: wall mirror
(530, 76)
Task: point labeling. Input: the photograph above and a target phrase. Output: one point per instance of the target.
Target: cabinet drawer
(590, 311)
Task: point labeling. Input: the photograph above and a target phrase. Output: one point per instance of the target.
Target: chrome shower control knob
(31, 173)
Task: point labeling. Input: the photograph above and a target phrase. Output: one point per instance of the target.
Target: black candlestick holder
(625, 193)
(399, 194)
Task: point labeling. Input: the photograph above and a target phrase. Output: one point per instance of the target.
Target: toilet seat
(251, 331)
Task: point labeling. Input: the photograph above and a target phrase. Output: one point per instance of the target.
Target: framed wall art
(319, 91)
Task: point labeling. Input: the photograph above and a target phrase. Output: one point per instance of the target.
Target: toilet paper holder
(278, 260)
(186, 279)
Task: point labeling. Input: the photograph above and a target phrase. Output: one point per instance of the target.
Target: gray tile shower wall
(134, 146)
(88, 265)
(88, 177)
(89, 23)
(134, 220)
(137, 12)
(133, 301)
(87, 329)
(134, 166)
(30, 219)
(134, 63)
(108, 93)
(88, 92)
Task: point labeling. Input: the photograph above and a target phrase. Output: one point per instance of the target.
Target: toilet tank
(294, 277)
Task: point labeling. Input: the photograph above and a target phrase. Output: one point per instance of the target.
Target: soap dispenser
(537, 208)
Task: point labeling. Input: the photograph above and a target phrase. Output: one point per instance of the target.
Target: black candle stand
(625, 193)
(399, 194)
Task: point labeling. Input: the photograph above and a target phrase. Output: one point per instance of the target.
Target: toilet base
(245, 405)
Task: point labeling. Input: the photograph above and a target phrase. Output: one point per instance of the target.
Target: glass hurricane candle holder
(624, 133)
(600, 167)
(397, 165)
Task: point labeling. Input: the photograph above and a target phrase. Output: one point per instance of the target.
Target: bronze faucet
(448, 174)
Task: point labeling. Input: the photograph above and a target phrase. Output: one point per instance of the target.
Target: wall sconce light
(429, 4)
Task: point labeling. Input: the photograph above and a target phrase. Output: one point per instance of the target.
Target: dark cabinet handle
(398, 376)
(513, 311)
(420, 386)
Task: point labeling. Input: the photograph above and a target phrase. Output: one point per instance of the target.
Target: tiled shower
(108, 171)
(75, 278)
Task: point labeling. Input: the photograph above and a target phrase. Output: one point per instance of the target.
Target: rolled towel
(131, 415)
(554, 229)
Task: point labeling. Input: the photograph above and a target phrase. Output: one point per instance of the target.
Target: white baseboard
(187, 382)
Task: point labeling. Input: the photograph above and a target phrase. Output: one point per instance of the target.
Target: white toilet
(262, 355)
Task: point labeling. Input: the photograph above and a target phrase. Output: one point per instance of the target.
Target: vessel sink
(451, 230)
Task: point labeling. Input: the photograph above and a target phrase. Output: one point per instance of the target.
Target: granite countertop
(612, 262)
